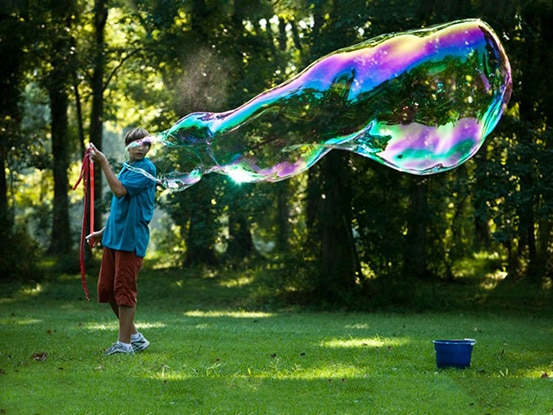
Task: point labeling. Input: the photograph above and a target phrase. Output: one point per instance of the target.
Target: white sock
(135, 336)
(126, 346)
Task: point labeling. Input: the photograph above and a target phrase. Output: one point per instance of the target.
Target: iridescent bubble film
(420, 102)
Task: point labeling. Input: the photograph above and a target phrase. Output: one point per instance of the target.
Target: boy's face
(138, 150)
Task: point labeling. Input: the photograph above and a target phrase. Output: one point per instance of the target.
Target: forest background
(346, 232)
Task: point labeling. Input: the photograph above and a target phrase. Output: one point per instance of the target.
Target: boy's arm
(114, 183)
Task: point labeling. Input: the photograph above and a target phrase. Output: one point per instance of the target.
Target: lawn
(216, 351)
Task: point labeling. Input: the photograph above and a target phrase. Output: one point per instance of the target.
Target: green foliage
(196, 214)
(380, 208)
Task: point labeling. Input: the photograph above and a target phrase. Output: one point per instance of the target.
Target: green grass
(217, 348)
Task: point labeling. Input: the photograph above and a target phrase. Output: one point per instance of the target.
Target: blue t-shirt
(127, 225)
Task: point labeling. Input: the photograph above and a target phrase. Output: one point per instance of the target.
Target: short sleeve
(135, 182)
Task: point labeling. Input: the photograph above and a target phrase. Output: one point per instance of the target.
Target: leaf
(40, 357)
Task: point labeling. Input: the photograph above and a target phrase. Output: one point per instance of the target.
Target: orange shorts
(117, 279)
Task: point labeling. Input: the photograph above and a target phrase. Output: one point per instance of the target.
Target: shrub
(20, 255)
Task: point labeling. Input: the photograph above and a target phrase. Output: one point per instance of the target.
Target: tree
(57, 84)
(97, 86)
(175, 45)
(517, 170)
(534, 225)
(11, 79)
(16, 34)
(51, 44)
(330, 197)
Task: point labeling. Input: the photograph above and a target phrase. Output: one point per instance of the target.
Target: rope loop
(87, 177)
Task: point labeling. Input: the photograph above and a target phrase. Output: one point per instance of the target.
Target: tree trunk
(531, 114)
(57, 85)
(198, 253)
(203, 223)
(328, 210)
(482, 237)
(97, 86)
(240, 243)
(542, 249)
(11, 50)
(415, 262)
(283, 216)
(339, 261)
(60, 242)
(5, 221)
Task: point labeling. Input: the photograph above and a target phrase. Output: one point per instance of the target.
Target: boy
(125, 237)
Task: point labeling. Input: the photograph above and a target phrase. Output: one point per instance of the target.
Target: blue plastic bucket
(453, 353)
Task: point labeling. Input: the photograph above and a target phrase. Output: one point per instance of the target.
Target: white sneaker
(118, 348)
(140, 344)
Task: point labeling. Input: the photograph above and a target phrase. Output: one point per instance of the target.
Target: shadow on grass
(258, 287)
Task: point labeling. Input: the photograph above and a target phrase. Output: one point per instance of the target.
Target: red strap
(87, 176)
(91, 196)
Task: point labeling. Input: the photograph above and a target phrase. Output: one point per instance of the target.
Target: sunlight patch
(233, 314)
(363, 342)
(492, 279)
(32, 290)
(167, 375)
(115, 326)
(237, 282)
(358, 326)
(328, 373)
(530, 373)
(103, 326)
(156, 325)
(21, 322)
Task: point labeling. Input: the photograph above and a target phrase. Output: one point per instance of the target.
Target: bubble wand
(87, 177)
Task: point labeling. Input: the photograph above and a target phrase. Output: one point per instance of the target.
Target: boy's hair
(135, 134)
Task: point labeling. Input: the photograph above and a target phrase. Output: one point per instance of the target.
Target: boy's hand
(96, 155)
(94, 238)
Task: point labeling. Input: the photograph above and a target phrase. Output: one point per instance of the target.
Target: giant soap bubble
(421, 102)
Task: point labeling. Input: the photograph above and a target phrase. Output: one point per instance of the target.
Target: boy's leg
(125, 293)
(115, 308)
(126, 323)
(106, 277)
